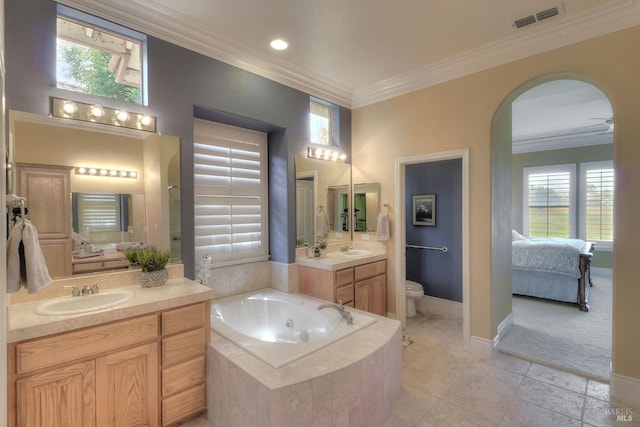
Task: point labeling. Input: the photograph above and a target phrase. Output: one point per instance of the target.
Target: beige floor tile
(551, 397)
(558, 378)
(524, 414)
(598, 389)
(447, 414)
(412, 404)
(508, 363)
(603, 414)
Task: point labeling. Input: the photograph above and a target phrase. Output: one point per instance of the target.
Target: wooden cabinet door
(62, 397)
(362, 295)
(127, 388)
(48, 193)
(379, 295)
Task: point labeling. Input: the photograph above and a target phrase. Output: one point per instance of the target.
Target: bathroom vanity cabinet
(362, 286)
(143, 371)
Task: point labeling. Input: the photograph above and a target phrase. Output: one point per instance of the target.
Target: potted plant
(152, 263)
(322, 246)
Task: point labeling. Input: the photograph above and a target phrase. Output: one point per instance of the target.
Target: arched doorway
(550, 123)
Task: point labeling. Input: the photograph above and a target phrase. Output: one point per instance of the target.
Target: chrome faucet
(75, 292)
(340, 309)
(86, 290)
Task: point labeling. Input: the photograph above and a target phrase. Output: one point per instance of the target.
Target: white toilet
(414, 292)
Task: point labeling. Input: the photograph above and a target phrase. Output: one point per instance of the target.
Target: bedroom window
(230, 189)
(549, 199)
(597, 203)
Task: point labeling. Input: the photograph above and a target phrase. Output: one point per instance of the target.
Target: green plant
(148, 259)
(322, 244)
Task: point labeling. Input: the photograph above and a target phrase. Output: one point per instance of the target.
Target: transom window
(98, 57)
(322, 122)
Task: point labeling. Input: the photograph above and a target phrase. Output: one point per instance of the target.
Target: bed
(552, 268)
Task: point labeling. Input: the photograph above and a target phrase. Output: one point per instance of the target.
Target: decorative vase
(323, 252)
(148, 279)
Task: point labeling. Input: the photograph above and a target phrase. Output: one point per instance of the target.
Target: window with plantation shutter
(98, 212)
(549, 199)
(597, 203)
(230, 191)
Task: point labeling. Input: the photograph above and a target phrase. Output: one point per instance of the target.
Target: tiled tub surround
(352, 382)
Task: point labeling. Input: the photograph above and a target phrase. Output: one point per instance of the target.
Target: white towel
(36, 275)
(322, 224)
(382, 228)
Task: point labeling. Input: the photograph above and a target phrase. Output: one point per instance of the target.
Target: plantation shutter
(98, 212)
(230, 189)
(549, 203)
(599, 204)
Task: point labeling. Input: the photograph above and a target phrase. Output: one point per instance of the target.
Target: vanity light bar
(109, 173)
(325, 154)
(75, 110)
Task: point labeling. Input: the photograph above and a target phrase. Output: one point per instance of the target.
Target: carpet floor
(561, 336)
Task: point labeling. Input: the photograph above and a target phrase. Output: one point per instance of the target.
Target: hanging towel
(322, 224)
(382, 229)
(28, 267)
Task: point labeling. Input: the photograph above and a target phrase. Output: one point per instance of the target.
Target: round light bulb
(69, 107)
(279, 44)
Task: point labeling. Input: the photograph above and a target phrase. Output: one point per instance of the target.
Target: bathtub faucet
(340, 309)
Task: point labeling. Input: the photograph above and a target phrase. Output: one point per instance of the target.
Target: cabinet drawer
(183, 347)
(67, 347)
(344, 277)
(183, 405)
(182, 319)
(344, 294)
(369, 270)
(183, 376)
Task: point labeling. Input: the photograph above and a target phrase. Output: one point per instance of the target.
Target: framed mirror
(86, 221)
(366, 205)
(323, 200)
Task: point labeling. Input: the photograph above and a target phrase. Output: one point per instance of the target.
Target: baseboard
(481, 347)
(428, 304)
(624, 388)
(503, 328)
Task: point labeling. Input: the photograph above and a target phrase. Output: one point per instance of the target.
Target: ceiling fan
(604, 121)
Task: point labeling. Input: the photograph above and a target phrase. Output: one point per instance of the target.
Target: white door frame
(400, 232)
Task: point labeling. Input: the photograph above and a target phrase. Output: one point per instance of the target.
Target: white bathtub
(279, 328)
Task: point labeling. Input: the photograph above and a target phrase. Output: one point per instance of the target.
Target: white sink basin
(83, 304)
(352, 253)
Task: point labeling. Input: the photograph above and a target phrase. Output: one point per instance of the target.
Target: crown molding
(527, 42)
(559, 141)
(158, 21)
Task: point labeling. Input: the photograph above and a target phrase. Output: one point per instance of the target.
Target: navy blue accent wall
(182, 85)
(439, 273)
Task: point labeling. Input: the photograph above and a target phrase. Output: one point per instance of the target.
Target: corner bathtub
(278, 327)
(330, 373)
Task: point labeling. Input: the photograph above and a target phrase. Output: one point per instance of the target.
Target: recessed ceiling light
(279, 44)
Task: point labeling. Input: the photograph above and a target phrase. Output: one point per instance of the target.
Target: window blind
(549, 203)
(99, 212)
(598, 214)
(230, 189)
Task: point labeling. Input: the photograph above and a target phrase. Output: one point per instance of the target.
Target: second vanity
(355, 278)
(139, 363)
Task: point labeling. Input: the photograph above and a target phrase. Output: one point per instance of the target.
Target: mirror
(85, 222)
(322, 201)
(366, 205)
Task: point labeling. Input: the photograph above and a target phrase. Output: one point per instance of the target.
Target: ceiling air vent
(536, 17)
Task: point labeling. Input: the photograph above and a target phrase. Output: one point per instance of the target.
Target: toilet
(414, 292)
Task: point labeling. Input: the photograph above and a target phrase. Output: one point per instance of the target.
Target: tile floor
(445, 386)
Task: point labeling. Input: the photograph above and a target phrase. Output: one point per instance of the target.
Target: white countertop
(334, 261)
(24, 323)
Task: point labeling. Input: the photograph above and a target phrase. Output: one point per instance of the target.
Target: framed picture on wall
(424, 209)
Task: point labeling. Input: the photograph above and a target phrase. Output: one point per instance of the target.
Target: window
(322, 122)
(98, 212)
(597, 203)
(549, 199)
(230, 189)
(98, 57)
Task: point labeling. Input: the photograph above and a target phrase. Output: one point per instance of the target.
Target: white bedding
(551, 255)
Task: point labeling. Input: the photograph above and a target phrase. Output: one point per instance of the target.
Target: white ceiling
(358, 52)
